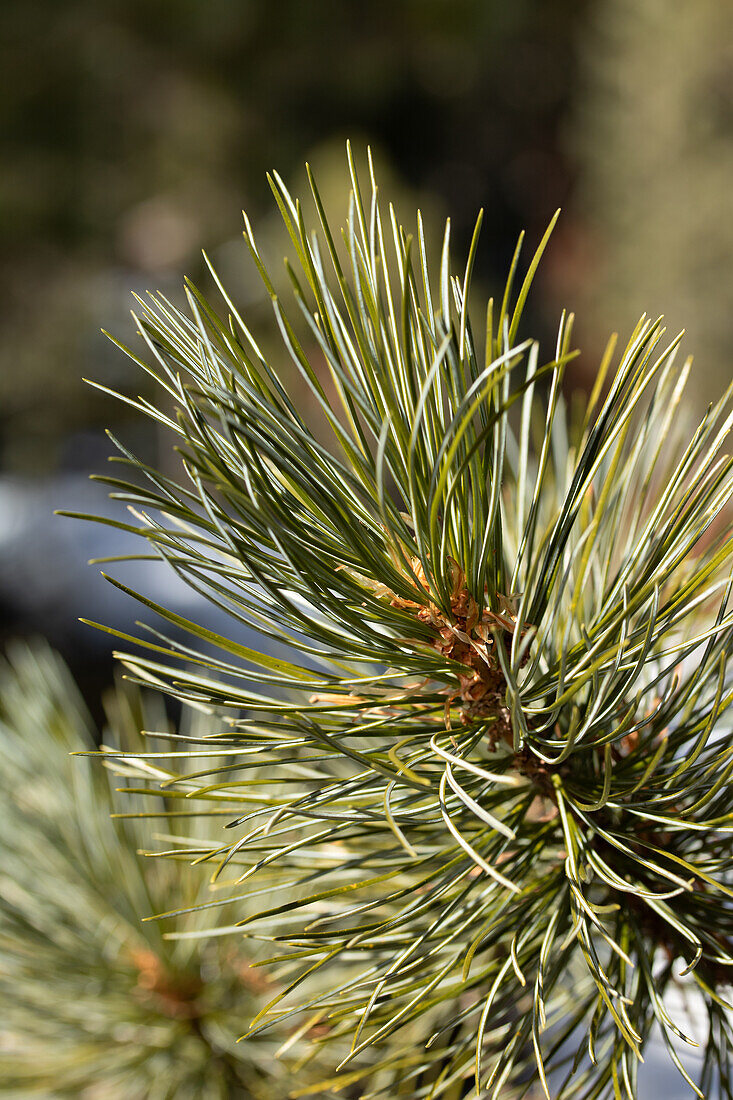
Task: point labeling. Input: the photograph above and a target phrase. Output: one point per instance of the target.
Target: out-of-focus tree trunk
(653, 137)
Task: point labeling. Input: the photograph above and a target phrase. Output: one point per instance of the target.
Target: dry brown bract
(465, 636)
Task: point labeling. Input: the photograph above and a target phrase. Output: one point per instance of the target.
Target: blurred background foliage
(134, 132)
(137, 131)
(97, 1004)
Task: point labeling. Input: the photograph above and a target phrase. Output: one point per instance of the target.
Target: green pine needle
(489, 769)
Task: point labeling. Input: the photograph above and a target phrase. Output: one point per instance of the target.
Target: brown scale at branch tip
(465, 636)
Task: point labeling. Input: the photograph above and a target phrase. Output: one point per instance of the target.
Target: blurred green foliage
(98, 1005)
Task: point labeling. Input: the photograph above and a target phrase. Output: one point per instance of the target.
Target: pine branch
(491, 774)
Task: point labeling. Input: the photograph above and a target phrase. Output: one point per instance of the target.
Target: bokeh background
(136, 130)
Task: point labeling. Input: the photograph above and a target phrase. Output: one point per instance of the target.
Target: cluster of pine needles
(479, 765)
